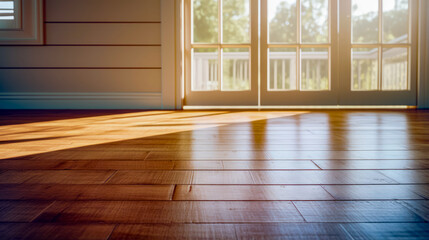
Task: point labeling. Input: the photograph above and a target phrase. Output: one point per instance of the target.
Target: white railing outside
(205, 68)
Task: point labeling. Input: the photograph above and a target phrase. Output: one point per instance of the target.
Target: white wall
(97, 54)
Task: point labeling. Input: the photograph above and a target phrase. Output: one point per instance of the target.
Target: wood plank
(79, 154)
(408, 176)
(171, 212)
(222, 177)
(420, 189)
(55, 177)
(80, 80)
(360, 155)
(208, 155)
(419, 207)
(80, 57)
(196, 146)
(387, 230)
(21, 211)
(152, 177)
(35, 231)
(266, 165)
(53, 164)
(285, 155)
(103, 11)
(85, 192)
(197, 165)
(293, 231)
(372, 164)
(249, 193)
(173, 231)
(320, 177)
(103, 33)
(371, 192)
(355, 211)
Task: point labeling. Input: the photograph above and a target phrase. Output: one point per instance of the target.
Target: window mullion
(380, 48)
(220, 36)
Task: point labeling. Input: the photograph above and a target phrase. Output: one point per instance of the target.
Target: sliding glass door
(300, 52)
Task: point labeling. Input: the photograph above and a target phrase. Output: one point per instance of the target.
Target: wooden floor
(214, 174)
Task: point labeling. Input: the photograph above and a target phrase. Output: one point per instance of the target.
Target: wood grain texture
(408, 176)
(21, 211)
(356, 211)
(170, 212)
(371, 192)
(85, 192)
(37, 231)
(250, 193)
(152, 177)
(387, 230)
(57, 176)
(174, 231)
(372, 164)
(419, 207)
(320, 177)
(214, 174)
(292, 231)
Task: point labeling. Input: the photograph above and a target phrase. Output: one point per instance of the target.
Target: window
(21, 22)
(10, 14)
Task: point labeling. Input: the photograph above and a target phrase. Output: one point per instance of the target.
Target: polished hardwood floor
(214, 174)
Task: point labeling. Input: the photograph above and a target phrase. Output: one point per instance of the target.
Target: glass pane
(236, 70)
(314, 21)
(205, 21)
(395, 21)
(282, 65)
(204, 69)
(395, 69)
(282, 21)
(6, 4)
(236, 21)
(314, 69)
(365, 21)
(364, 69)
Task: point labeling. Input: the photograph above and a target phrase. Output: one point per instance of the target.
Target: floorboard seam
(110, 177)
(293, 203)
(316, 164)
(328, 192)
(110, 234)
(42, 211)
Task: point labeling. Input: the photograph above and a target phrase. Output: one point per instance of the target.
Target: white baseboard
(80, 101)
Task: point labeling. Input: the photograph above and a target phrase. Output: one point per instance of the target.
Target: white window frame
(27, 27)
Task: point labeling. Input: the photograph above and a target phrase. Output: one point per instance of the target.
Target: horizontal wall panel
(81, 101)
(103, 33)
(80, 80)
(80, 57)
(103, 10)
